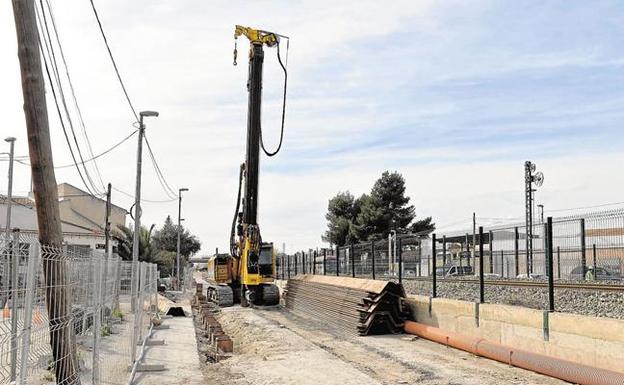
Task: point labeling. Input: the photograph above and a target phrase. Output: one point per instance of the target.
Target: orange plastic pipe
(550, 366)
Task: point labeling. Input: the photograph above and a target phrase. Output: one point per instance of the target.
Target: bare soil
(276, 347)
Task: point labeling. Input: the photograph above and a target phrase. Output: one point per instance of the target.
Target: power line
(161, 178)
(58, 109)
(91, 159)
(110, 54)
(73, 93)
(145, 200)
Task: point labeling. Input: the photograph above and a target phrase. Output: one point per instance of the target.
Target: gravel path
(585, 302)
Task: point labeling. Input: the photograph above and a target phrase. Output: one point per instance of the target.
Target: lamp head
(9, 139)
(183, 189)
(148, 113)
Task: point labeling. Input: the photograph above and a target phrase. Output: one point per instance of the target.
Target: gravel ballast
(588, 302)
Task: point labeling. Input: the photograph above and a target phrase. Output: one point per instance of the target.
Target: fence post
(352, 255)
(324, 261)
(516, 252)
(97, 319)
(400, 248)
(481, 280)
(467, 248)
(503, 264)
(419, 257)
(491, 261)
(558, 263)
(373, 256)
(288, 265)
(296, 262)
(14, 290)
(314, 262)
(434, 289)
(31, 280)
(594, 259)
(583, 248)
(549, 257)
(303, 262)
(443, 252)
(337, 261)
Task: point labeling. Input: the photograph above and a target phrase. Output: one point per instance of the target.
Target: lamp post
(11, 142)
(179, 228)
(137, 209)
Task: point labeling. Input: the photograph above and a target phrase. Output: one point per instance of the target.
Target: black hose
(238, 199)
(279, 59)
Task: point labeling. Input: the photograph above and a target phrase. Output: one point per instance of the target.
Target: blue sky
(456, 95)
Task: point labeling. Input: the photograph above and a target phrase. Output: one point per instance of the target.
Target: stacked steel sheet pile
(356, 306)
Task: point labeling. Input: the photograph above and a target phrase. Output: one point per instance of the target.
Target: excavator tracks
(270, 295)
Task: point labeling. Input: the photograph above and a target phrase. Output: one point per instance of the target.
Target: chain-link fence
(66, 314)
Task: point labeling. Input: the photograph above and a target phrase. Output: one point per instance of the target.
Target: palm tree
(125, 238)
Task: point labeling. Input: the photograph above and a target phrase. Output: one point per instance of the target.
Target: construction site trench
(280, 345)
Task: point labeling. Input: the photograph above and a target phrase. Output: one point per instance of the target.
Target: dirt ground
(276, 347)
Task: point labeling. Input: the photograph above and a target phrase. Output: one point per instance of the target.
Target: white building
(82, 216)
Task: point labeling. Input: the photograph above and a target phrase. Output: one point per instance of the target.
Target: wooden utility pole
(45, 191)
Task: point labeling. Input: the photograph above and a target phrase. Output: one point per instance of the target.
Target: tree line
(157, 246)
(373, 216)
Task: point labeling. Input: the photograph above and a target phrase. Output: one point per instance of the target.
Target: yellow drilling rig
(248, 272)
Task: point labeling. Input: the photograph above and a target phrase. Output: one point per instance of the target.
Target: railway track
(536, 284)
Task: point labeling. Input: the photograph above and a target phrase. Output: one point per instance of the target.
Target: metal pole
(137, 221)
(373, 257)
(551, 278)
(474, 237)
(481, 281)
(15, 257)
(352, 254)
(288, 263)
(324, 261)
(5, 278)
(434, 289)
(178, 240)
(419, 257)
(558, 262)
(583, 249)
(443, 252)
(491, 261)
(502, 264)
(516, 251)
(11, 142)
(400, 248)
(31, 280)
(337, 261)
(594, 259)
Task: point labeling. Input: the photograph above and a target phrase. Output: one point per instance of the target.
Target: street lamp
(179, 228)
(137, 210)
(11, 141)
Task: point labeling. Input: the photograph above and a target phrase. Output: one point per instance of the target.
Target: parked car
(600, 274)
(457, 271)
(453, 271)
(531, 276)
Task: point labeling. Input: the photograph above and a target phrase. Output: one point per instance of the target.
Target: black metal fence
(587, 248)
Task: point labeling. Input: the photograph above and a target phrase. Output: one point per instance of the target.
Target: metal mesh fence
(66, 313)
(584, 249)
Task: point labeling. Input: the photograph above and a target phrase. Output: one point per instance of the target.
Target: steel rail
(516, 283)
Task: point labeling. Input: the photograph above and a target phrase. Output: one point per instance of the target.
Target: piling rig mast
(253, 262)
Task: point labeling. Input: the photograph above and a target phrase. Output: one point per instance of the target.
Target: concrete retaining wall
(592, 341)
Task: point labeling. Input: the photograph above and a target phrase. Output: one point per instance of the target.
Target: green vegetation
(157, 246)
(373, 216)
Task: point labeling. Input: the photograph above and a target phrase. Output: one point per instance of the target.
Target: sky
(454, 95)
